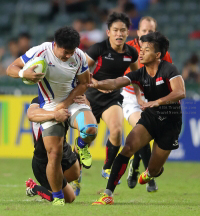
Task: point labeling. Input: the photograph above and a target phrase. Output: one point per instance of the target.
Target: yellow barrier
(16, 133)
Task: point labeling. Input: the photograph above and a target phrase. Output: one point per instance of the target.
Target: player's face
(62, 54)
(146, 27)
(118, 33)
(147, 53)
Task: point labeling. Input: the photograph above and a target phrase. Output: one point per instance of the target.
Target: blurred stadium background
(25, 23)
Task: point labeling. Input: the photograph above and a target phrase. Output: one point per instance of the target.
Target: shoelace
(85, 152)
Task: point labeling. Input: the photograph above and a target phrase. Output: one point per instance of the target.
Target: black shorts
(39, 167)
(98, 110)
(164, 130)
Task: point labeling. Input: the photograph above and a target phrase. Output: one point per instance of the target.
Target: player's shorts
(130, 104)
(164, 130)
(74, 110)
(98, 110)
(39, 167)
(54, 130)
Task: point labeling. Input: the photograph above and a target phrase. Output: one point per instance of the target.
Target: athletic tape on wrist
(21, 73)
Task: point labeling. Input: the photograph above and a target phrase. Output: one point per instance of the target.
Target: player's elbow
(182, 94)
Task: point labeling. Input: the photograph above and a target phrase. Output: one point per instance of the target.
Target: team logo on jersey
(127, 58)
(72, 64)
(159, 81)
(50, 64)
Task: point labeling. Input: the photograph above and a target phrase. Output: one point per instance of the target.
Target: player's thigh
(137, 138)
(134, 118)
(113, 117)
(53, 138)
(158, 158)
(73, 172)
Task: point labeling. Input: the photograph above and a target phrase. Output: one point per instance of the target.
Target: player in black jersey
(70, 164)
(113, 57)
(161, 118)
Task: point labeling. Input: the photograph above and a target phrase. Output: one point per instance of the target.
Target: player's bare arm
(111, 84)
(37, 114)
(83, 81)
(178, 92)
(15, 67)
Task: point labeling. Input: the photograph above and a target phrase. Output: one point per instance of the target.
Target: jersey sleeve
(94, 51)
(31, 53)
(84, 65)
(172, 72)
(133, 76)
(167, 57)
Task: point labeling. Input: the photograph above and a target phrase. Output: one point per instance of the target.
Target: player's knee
(116, 132)
(55, 154)
(70, 199)
(90, 133)
(131, 146)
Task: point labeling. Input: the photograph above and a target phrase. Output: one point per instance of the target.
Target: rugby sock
(136, 161)
(111, 152)
(145, 154)
(58, 194)
(43, 192)
(118, 169)
(81, 143)
(160, 173)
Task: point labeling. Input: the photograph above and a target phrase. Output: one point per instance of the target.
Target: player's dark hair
(67, 37)
(114, 17)
(159, 41)
(24, 35)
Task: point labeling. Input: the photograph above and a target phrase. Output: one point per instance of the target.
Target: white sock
(108, 192)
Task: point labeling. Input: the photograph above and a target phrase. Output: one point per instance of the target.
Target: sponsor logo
(109, 57)
(176, 143)
(161, 118)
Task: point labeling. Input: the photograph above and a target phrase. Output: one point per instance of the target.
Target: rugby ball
(41, 68)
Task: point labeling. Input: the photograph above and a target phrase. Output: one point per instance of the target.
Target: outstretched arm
(111, 84)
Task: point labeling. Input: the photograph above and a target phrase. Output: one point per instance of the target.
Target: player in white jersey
(66, 78)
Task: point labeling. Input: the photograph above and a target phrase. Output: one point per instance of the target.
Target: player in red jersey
(131, 106)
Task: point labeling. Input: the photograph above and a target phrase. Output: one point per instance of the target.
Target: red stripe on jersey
(39, 54)
(44, 91)
(168, 84)
(139, 84)
(80, 60)
(99, 64)
(128, 57)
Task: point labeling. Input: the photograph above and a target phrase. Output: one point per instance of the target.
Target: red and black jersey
(157, 87)
(110, 65)
(135, 43)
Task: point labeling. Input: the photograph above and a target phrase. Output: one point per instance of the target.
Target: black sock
(118, 169)
(159, 174)
(136, 161)
(111, 152)
(43, 192)
(145, 154)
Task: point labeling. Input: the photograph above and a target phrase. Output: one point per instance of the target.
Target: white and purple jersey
(60, 78)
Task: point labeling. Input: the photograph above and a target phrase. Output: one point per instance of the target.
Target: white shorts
(130, 104)
(72, 109)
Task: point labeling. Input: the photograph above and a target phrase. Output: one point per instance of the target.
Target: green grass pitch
(178, 193)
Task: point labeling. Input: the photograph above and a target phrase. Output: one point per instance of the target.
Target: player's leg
(132, 112)
(53, 141)
(155, 167)
(113, 117)
(84, 121)
(136, 139)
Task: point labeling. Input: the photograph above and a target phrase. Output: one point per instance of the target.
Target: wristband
(21, 73)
